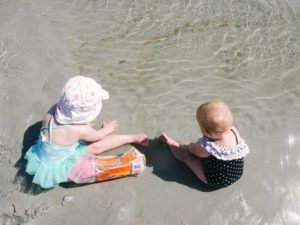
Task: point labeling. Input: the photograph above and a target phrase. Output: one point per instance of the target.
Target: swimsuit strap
(50, 129)
(58, 126)
(43, 128)
(53, 126)
(236, 138)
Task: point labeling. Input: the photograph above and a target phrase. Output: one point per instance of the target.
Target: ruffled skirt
(81, 168)
(50, 174)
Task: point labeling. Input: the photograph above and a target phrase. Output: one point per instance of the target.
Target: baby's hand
(110, 126)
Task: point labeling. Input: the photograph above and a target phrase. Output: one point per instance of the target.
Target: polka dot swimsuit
(225, 165)
(221, 173)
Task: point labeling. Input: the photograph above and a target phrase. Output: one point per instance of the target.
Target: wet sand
(159, 61)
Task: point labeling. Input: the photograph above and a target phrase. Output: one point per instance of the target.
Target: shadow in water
(168, 168)
(158, 156)
(71, 185)
(22, 178)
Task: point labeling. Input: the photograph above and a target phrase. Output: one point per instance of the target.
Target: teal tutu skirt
(50, 173)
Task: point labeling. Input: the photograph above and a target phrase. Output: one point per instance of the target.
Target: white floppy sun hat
(81, 101)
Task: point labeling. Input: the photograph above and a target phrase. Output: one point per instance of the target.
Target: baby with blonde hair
(68, 145)
(214, 116)
(217, 159)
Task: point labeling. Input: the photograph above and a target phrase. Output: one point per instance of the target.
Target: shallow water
(160, 60)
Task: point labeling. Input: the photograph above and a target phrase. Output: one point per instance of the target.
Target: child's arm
(89, 134)
(197, 150)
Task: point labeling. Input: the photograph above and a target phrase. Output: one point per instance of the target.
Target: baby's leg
(181, 153)
(113, 141)
(175, 147)
(195, 165)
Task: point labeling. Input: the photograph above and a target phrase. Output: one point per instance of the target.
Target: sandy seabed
(35, 62)
(155, 58)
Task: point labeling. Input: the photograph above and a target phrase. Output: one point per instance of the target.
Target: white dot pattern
(225, 165)
(220, 173)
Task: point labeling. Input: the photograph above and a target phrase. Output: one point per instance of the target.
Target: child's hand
(110, 126)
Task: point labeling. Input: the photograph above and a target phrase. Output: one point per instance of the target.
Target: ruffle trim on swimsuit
(49, 175)
(225, 153)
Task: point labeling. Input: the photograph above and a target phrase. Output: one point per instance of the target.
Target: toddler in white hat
(81, 101)
(68, 145)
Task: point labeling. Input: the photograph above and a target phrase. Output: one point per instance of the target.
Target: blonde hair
(214, 116)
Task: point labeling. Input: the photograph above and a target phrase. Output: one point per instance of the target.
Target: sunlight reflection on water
(160, 59)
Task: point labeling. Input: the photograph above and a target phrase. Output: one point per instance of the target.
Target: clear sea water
(160, 60)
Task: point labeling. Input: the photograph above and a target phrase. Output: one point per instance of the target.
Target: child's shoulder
(49, 113)
(236, 132)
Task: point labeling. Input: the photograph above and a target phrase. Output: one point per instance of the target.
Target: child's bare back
(68, 145)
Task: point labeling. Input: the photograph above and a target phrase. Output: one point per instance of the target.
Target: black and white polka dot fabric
(221, 173)
(225, 165)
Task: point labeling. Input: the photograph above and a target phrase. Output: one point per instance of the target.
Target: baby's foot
(167, 140)
(174, 146)
(141, 139)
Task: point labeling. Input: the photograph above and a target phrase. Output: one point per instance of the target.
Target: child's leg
(175, 147)
(194, 163)
(184, 156)
(89, 169)
(131, 162)
(112, 141)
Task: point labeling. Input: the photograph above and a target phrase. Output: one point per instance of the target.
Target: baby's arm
(197, 150)
(89, 134)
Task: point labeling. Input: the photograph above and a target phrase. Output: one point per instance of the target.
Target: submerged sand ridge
(159, 61)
